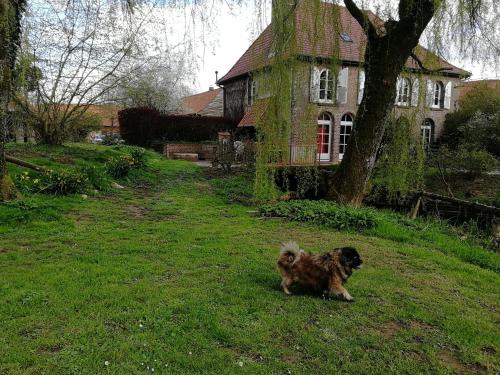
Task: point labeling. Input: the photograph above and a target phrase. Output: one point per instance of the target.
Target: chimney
(210, 88)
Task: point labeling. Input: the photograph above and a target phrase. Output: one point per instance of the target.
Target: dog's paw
(348, 297)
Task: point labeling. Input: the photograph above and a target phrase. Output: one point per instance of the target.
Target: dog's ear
(348, 253)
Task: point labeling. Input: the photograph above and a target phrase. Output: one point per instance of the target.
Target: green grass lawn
(166, 274)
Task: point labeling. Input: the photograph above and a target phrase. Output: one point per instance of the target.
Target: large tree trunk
(385, 56)
(10, 31)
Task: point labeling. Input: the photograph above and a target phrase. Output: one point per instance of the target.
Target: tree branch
(361, 17)
(424, 69)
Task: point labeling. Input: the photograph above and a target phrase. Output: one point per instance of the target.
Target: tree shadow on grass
(272, 283)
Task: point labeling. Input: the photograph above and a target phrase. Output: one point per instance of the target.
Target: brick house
(491, 84)
(334, 98)
(208, 103)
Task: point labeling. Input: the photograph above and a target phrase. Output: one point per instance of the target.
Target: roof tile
(314, 41)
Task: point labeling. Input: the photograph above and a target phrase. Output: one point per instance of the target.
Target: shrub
(96, 177)
(119, 167)
(112, 140)
(63, 182)
(138, 154)
(475, 162)
(477, 121)
(324, 213)
(60, 182)
(82, 126)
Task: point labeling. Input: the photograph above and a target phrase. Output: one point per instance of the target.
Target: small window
(404, 91)
(346, 38)
(438, 95)
(326, 86)
(251, 91)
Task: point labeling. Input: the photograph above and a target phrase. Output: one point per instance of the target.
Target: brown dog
(327, 272)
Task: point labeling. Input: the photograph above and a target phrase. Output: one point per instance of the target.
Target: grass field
(168, 274)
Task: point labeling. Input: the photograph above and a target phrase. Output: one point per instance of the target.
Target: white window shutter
(398, 86)
(361, 86)
(314, 90)
(342, 86)
(430, 92)
(447, 95)
(415, 93)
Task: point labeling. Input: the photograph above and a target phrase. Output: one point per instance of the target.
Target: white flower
(240, 363)
(190, 353)
(106, 363)
(140, 326)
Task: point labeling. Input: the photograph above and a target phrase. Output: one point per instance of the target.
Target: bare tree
(80, 48)
(155, 82)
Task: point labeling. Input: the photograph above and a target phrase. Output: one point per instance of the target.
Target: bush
(112, 140)
(61, 182)
(138, 154)
(144, 126)
(96, 177)
(476, 123)
(119, 167)
(475, 163)
(324, 213)
(82, 126)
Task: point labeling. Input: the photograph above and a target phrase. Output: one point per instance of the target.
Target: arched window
(404, 92)
(324, 136)
(251, 90)
(326, 85)
(427, 129)
(345, 132)
(438, 95)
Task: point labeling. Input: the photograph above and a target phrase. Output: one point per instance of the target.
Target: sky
(232, 34)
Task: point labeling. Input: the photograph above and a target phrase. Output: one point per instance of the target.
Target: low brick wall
(204, 151)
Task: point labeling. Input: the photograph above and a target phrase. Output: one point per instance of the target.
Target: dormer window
(326, 85)
(346, 38)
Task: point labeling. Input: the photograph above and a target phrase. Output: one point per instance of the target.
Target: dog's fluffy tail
(289, 253)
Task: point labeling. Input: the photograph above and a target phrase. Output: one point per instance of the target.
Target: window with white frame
(438, 95)
(403, 97)
(346, 123)
(324, 136)
(251, 91)
(326, 86)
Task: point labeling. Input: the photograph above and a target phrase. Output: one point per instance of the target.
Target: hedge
(146, 126)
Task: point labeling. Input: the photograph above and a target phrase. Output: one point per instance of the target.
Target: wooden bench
(185, 156)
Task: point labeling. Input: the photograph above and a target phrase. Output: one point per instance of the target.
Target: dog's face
(351, 258)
